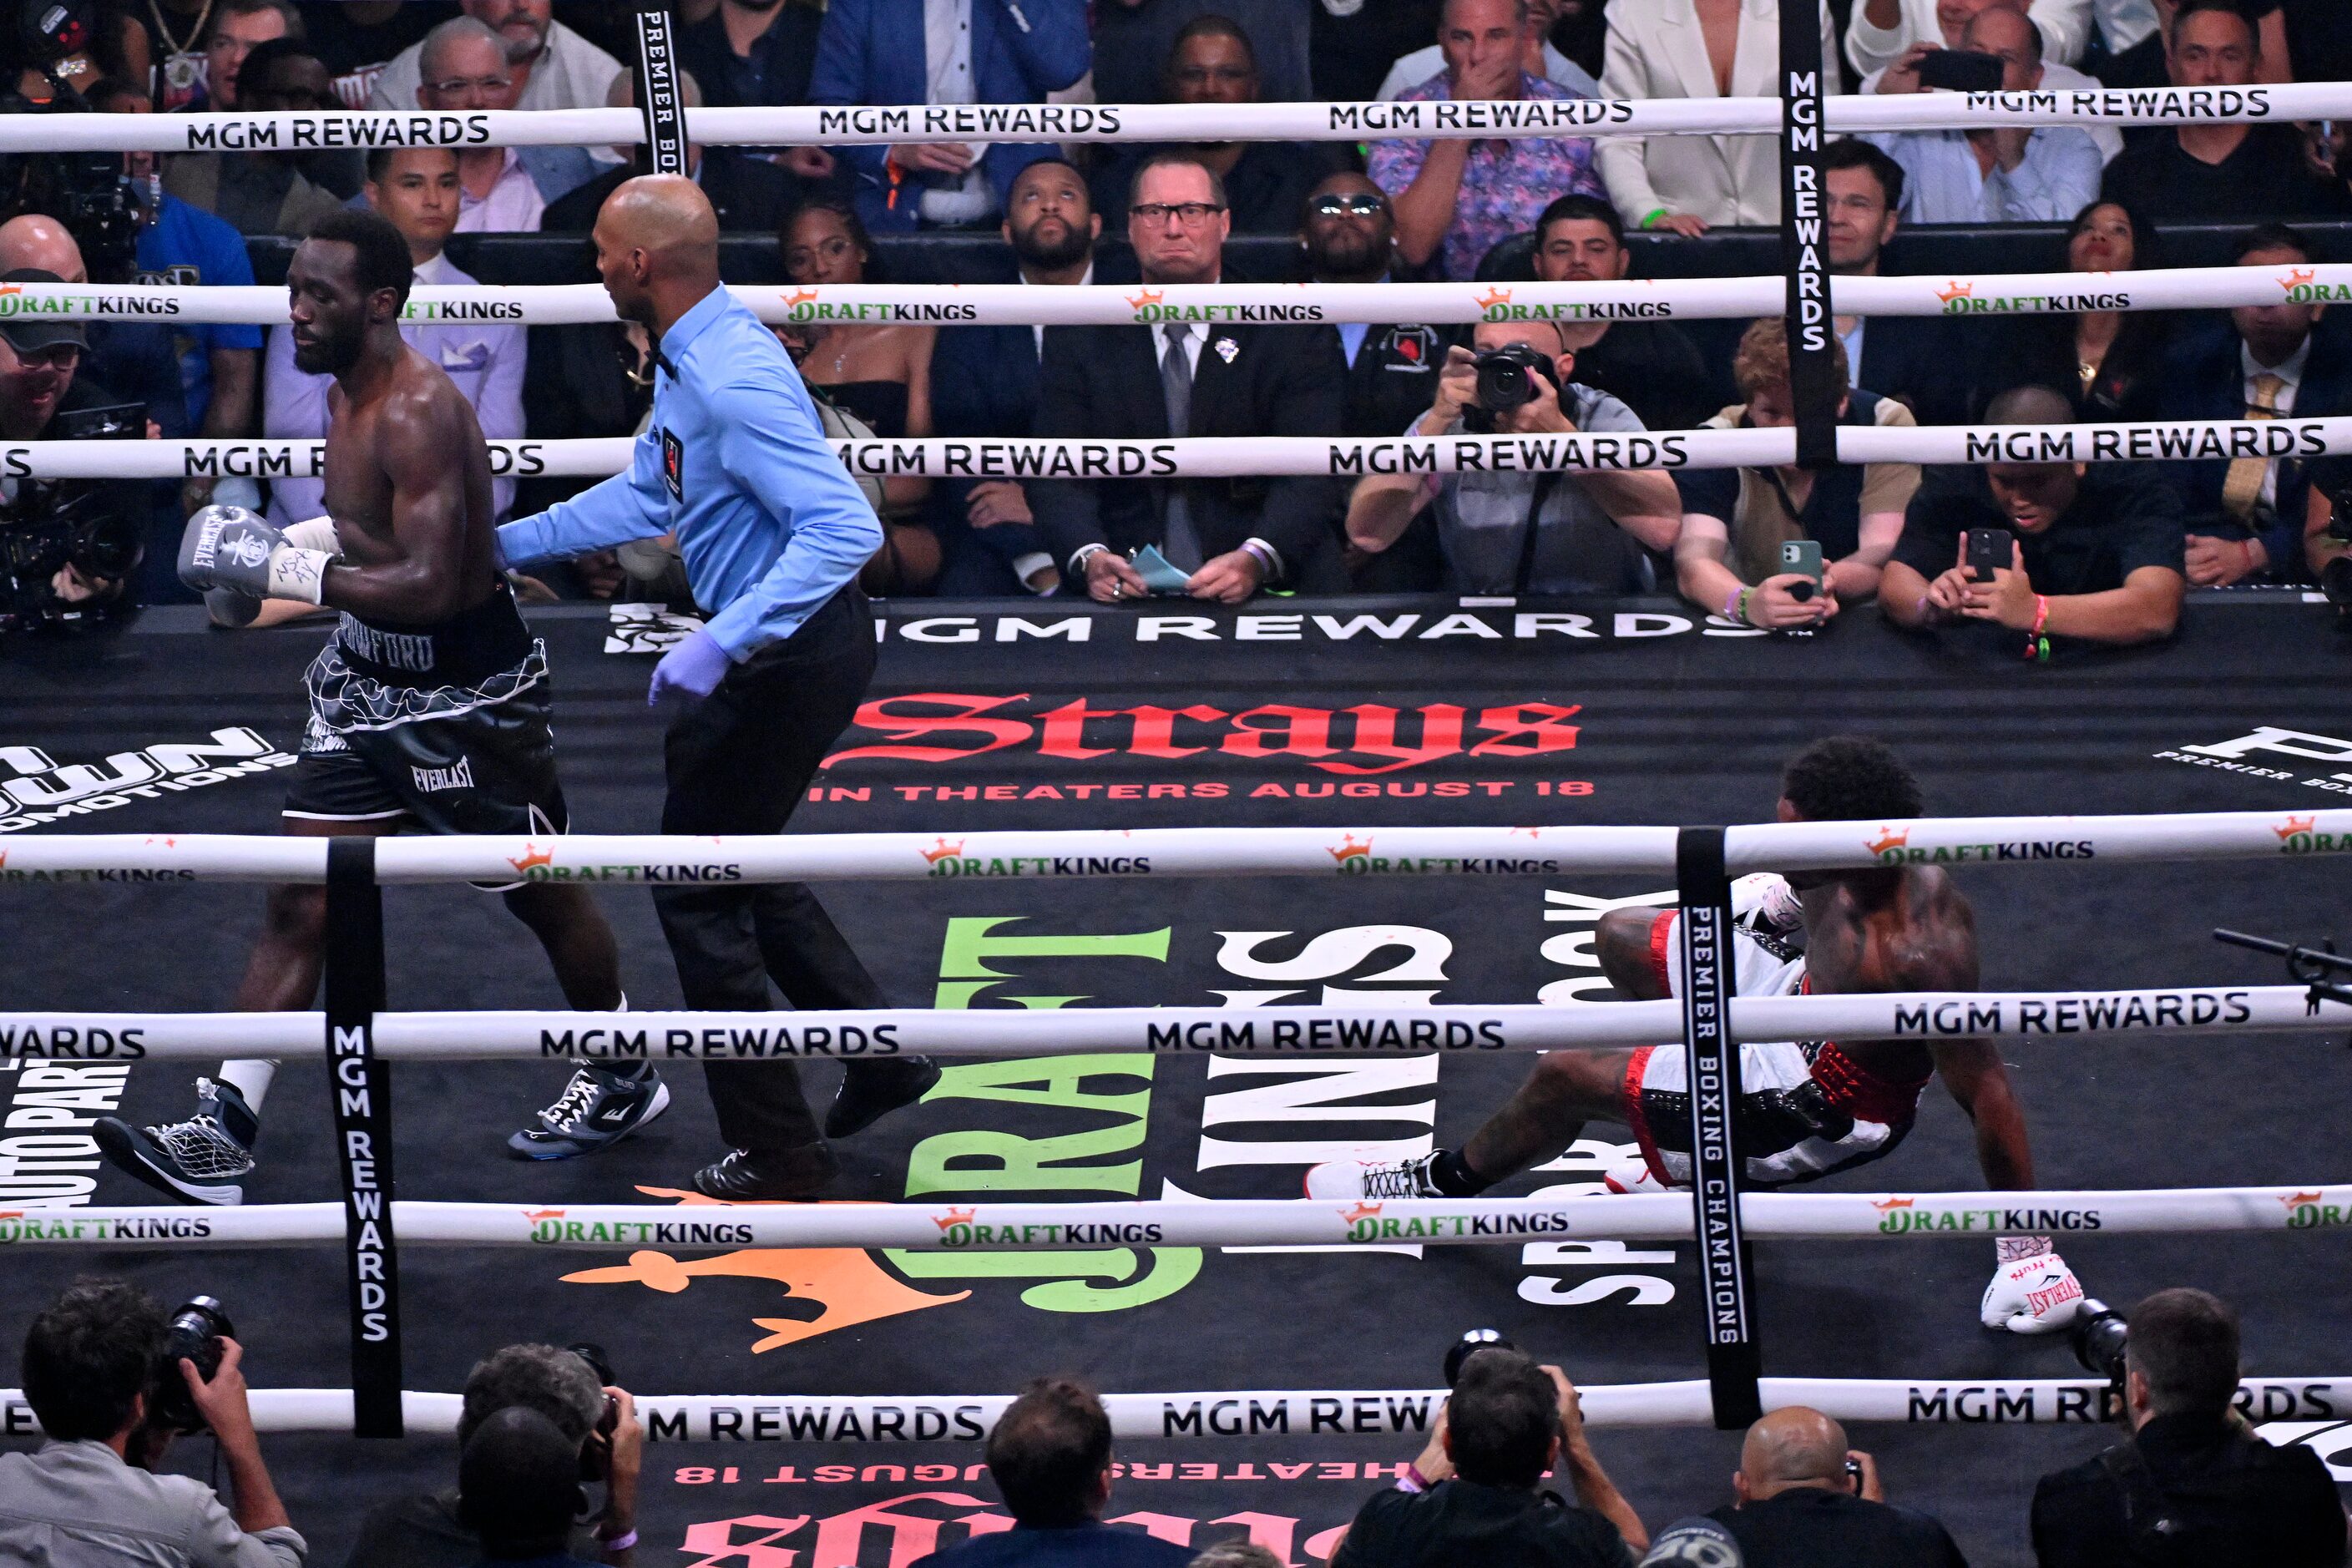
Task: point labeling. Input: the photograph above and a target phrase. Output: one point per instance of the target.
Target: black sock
(1454, 1176)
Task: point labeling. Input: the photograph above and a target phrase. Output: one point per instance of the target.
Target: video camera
(90, 193)
(51, 524)
(2335, 574)
(1507, 379)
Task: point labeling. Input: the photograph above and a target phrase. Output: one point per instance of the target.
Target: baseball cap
(29, 334)
(1694, 1543)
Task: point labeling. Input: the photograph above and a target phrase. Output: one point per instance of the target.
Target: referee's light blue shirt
(736, 467)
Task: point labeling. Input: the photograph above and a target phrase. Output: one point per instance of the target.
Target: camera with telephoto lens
(88, 192)
(52, 524)
(1470, 1345)
(592, 1456)
(1507, 379)
(2098, 1334)
(2335, 574)
(197, 1327)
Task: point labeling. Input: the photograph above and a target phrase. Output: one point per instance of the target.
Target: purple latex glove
(690, 671)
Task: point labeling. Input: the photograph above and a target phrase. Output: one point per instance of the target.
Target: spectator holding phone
(2096, 551)
(1738, 522)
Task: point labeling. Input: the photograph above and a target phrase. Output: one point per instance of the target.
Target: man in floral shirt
(1456, 198)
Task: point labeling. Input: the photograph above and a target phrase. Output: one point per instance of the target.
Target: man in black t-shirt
(2192, 1485)
(2205, 172)
(1652, 366)
(1800, 1505)
(1473, 1496)
(2097, 552)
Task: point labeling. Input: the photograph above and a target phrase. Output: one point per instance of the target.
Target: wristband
(2037, 644)
(1269, 563)
(1739, 606)
(618, 1543)
(1081, 555)
(2011, 1248)
(1651, 217)
(1413, 1480)
(1731, 604)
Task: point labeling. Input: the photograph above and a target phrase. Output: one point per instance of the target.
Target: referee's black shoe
(871, 1090)
(791, 1175)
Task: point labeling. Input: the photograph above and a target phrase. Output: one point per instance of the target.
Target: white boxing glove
(1763, 901)
(2037, 1294)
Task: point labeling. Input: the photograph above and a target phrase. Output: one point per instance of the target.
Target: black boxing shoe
(872, 1091)
(791, 1175)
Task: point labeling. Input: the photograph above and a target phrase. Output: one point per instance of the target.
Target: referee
(773, 530)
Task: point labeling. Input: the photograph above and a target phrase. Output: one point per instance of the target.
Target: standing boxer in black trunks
(429, 706)
(1804, 1109)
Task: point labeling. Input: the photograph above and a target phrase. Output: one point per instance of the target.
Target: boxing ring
(360, 1040)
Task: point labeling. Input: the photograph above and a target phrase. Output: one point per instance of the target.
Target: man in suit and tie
(2246, 514)
(1918, 361)
(947, 52)
(1232, 536)
(984, 383)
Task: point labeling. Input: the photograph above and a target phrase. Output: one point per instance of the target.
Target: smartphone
(1989, 549)
(1802, 556)
(1960, 71)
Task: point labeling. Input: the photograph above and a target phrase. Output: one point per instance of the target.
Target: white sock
(249, 1079)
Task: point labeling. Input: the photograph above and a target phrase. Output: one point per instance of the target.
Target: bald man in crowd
(132, 359)
(1806, 1498)
(735, 467)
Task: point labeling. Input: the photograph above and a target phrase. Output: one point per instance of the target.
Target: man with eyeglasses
(263, 193)
(1171, 377)
(553, 66)
(1212, 61)
(464, 66)
(239, 28)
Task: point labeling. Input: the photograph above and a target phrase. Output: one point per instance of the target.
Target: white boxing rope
(280, 459)
(891, 1420)
(1340, 851)
(885, 126)
(1302, 1034)
(1253, 1222)
(1344, 457)
(1216, 304)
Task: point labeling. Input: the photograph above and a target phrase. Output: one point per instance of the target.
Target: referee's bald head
(655, 235)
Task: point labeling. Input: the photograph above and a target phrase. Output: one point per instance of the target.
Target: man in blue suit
(984, 383)
(970, 51)
(2266, 361)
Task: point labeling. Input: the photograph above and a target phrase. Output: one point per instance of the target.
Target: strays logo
(1364, 738)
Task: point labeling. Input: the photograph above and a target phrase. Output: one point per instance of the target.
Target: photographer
(2192, 1484)
(432, 1530)
(2096, 551)
(94, 1361)
(1518, 533)
(1734, 520)
(69, 546)
(1474, 1495)
(1806, 1497)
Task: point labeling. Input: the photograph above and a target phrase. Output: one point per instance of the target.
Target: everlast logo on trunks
(434, 781)
(674, 466)
(1893, 846)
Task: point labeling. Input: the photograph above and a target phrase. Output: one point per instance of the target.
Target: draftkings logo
(2302, 287)
(2297, 836)
(1893, 846)
(1496, 305)
(1904, 1216)
(2310, 1211)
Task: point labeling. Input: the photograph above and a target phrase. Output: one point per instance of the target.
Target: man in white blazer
(1658, 49)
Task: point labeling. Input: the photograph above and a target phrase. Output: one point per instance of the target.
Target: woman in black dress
(2106, 362)
(882, 375)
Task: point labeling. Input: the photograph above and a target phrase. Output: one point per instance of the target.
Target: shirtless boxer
(428, 707)
(1805, 1110)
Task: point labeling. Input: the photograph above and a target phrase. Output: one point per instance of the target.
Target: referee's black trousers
(738, 763)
